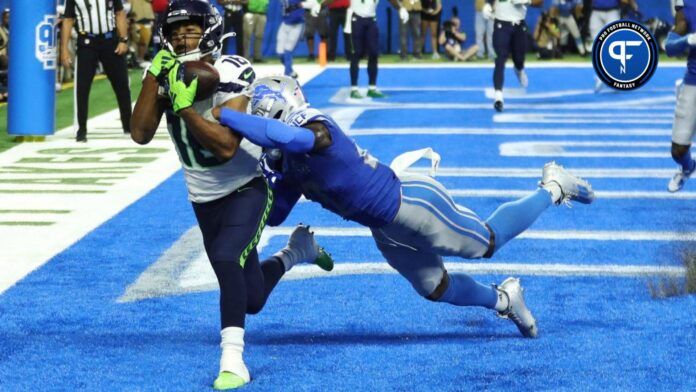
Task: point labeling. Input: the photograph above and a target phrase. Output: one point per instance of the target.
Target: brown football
(208, 78)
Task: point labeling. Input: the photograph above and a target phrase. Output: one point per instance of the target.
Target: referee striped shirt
(93, 16)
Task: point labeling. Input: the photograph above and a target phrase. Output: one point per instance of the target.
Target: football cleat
(522, 77)
(498, 106)
(374, 93)
(355, 94)
(677, 182)
(517, 310)
(227, 380)
(303, 245)
(572, 188)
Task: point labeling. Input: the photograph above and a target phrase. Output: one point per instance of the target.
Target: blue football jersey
(689, 11)
(345, 179)
(605, 4)
(293, 13)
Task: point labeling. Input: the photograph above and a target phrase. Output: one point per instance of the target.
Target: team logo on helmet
(624, 55)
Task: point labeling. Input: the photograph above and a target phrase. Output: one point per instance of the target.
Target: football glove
(691, 39)
(181, 95)
(164, 60)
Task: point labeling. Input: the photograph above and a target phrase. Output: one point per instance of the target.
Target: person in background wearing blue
(291, 29)
(682, 39)
(564, 10)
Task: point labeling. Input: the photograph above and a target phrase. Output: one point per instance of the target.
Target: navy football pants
(508, 39)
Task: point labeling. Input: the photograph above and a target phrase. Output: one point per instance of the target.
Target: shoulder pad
(301, 116)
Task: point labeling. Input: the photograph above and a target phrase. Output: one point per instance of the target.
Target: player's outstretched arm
(147, 112)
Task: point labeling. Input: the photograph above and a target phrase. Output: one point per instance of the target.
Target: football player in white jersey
(229, 194)
(509, 38)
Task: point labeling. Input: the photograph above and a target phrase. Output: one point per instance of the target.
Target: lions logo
(45, 49)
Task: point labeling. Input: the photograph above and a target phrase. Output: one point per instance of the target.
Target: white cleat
(517, 310)
(522, 77)
(306, 250)
(677, 182)
(573, 188)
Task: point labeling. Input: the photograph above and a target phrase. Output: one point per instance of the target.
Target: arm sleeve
(676, 44)
(285, 196)
(268, 132)
(69, 9)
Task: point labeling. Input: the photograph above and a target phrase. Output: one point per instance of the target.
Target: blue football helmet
(203, 14)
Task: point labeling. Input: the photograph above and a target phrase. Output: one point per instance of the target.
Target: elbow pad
(676, 44)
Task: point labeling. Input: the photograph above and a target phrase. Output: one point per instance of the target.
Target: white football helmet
(276, 97)
(236, 75)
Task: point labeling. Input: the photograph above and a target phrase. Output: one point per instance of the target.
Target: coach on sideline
(102, 36)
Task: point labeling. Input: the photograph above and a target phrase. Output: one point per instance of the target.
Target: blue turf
(61, 328)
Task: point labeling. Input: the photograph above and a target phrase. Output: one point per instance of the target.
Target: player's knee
(254, 304)
(679, 150)
(440, 289)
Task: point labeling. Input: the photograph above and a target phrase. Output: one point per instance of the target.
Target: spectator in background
(4, 58)
(547, 37)
(430, 22)
(290, 30)
(143, 17)
(412, 27)
(337, 19)
(365, 40)
(159, 7)
(316, 25)
(484, 30)
(97, 42)
(254, 26)
(565, 11)
(452, 39)
(234, 22)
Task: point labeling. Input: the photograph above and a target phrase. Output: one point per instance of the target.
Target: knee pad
(440, 289)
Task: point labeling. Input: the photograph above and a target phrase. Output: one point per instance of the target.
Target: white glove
(316, 8)
(403, 15)
(348, 24)
(521, 2)
(691, 39)
(487, 11)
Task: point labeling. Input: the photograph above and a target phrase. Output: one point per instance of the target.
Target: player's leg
(85, 68)
(248, 33)
(502, 40)
(480, 31)
(311, 23)
(259, 28)
(357, 39)
(116, 71)
(282, 42)
(572, 28)
(682, 134)
(414, 21)
(372, 46)
(426, 273)
(519, 50)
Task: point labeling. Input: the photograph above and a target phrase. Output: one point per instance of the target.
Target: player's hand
(66, 58)
(164, 61)
(121, 49)
(348, 24)
(691, 39)
(403, 15)
(487, 11)
(181, 94)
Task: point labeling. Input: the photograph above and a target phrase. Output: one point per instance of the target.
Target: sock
(353, 88)
(465, 291)
(510, 219)
(232, 345)
(580, 46)
(687, 163)
(287, 61)
(288, 257)
(372, 87)
(498, 95)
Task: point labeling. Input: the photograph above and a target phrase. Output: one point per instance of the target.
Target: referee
(102, 37)
(509, 38)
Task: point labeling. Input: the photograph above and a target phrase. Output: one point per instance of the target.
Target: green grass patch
(675, 286)
(101, 100)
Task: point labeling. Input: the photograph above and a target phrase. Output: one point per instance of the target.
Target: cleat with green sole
(376, 94)
(227, 380)
(324, 260)
(355, 94)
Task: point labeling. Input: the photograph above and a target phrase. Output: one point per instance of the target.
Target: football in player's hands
(208, 78)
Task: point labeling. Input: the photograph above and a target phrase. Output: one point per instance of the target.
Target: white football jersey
(508, 12)
(364, 8)
(208, 179)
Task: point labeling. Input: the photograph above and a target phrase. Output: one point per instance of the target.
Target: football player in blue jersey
(413, 219)
(680, 40)
(229, 195)
(291, 29)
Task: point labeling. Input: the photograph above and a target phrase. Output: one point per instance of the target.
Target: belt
(605, 9)
(507, 22)
(108, 35)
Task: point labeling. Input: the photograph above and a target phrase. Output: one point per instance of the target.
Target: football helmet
(276, 97)
(203, 14)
